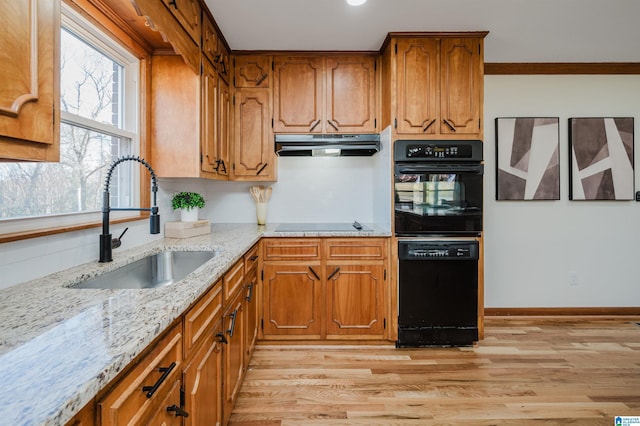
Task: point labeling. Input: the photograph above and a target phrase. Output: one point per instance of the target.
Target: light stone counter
(60, 346)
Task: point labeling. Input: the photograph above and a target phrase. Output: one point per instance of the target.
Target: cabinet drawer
(201, 317)
(233, 280)
(251, 259)
(356, 248)
(291, 249)
(141, 391)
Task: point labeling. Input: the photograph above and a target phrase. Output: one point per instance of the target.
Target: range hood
(327, 145)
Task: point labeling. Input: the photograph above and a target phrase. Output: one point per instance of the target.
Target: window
(99, 123)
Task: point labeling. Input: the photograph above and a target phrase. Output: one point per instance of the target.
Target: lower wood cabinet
(292, 295)
(233, 353)
(251, 260)
(355, 300)
(331, 288)
(149, 388)
(202, 374)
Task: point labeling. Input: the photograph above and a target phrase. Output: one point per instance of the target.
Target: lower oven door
(438, 293)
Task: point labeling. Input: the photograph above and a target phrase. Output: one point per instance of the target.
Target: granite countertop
(60, 346)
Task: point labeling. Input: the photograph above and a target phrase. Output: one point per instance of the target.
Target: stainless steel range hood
(327, 145)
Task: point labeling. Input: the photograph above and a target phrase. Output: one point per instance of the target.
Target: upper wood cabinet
(209, 40)
(253, 158)
(298, 89)
(187, 12)
(30, 80)
(317, 94)
(191, 120)
(179, 23)
(438, 85)
(252, 71)
(351, 94)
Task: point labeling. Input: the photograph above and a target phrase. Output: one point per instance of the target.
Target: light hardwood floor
(527, 370)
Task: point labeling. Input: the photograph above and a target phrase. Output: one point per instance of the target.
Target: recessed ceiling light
(356, 2)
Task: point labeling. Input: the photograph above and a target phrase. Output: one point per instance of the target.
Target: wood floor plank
(527, 370)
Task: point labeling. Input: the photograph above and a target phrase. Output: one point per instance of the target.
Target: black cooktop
(321, 227)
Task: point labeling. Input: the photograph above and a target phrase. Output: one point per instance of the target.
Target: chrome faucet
(106, 242)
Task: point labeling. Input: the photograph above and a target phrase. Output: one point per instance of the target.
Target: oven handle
(406, 169)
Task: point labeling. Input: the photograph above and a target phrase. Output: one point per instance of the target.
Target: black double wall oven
(438, 203)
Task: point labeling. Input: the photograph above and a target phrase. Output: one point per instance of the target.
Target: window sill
(25, 235)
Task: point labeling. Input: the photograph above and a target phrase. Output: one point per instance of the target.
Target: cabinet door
(461, 85)
(222, 61)
(187, 12)
(252, 71)
(209, 120)
(209, 39)
(298, 94)
(292, 296)
(355, 294)
(224, 134)
(203, 382)
(233, 352)
(417, 85)
(253, 155)
(351, 94)
(251, 312)
(30, 76)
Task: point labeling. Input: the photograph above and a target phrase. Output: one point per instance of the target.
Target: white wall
(533, 247)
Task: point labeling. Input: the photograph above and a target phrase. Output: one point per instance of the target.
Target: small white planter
(190, 215)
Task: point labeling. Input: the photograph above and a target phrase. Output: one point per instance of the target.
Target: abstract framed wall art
(601, 158)
(527, 158)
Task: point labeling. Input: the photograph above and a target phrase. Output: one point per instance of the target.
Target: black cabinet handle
(253, 258)
(220, 165)
(333, 273)
(264, 166)
(250, 295)
(449, 124)
(233, 316)
(173, 3)
(150, 390)
(315, 125)
(221, 338)
(261, 79)
(178, 410)
(429, 125)
(332, 125)
(314, 273)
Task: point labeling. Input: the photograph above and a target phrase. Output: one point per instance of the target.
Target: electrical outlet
(573, 278)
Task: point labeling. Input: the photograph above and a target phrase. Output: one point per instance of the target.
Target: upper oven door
(443, 198)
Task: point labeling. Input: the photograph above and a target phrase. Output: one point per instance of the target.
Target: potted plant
(188, 203)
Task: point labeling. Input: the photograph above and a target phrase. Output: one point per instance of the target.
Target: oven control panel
(438, 151)
(438, 250)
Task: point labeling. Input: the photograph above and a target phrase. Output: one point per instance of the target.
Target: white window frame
(77, 24)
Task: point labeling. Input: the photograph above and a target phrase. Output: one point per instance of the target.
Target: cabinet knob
(173, 3)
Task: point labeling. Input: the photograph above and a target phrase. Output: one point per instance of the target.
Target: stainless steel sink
(153, 271)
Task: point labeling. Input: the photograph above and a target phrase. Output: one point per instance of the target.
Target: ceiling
(519, 30)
